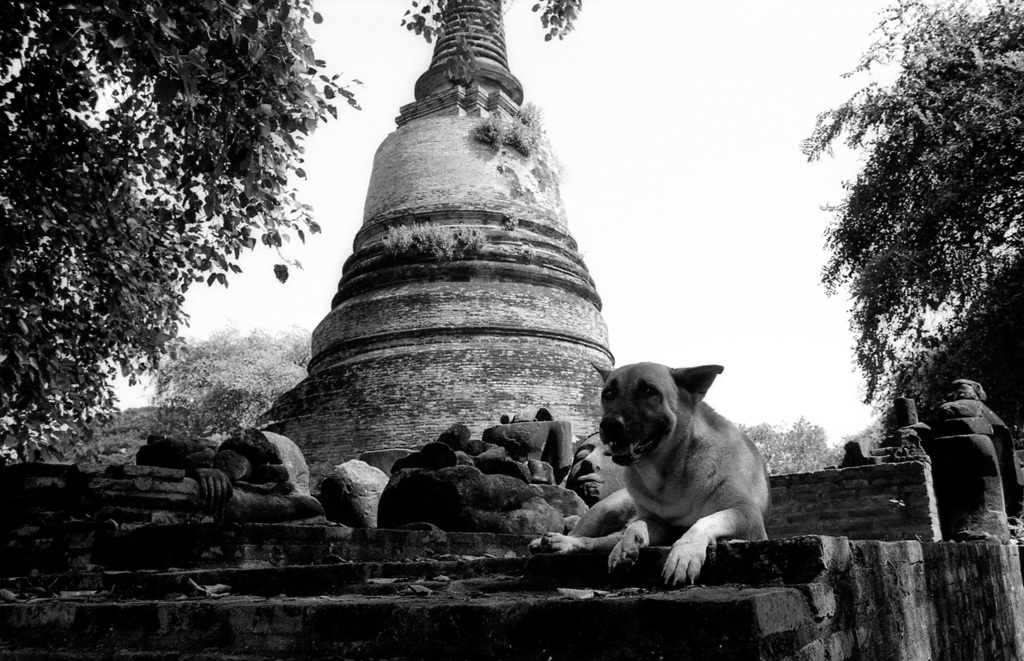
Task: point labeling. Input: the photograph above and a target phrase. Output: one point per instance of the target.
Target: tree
(223, 384)
(930, 236)
(143, 146)
(802, 447)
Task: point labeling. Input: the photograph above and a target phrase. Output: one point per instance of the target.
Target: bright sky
(678, 128)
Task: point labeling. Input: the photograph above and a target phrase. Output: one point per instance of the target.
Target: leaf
(281, 272)
(317, 18)
(250, 25)
(165, 90)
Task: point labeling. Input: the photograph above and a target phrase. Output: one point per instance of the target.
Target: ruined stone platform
(385, 594)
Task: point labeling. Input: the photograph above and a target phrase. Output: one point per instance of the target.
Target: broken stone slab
(271, 474)
(233, 464)
(456, 498)
(254, 446)
(292, 459)
(548, 441)
(432, 456)
(497, 461)
(456, 437)
(962, 427)
(567, 502)
(144, 484)
(175, 453)
(385, 459)
(133, 470)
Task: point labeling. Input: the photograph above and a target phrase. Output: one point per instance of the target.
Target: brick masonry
(406, 394)
(883, 502)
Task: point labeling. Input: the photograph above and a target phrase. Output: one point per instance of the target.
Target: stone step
(306, 580)
(80, 545)
(799, 560)
(725, 622)
(753, 600)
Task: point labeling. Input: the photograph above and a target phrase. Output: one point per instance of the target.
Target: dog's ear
(603, 372)
(696, 380)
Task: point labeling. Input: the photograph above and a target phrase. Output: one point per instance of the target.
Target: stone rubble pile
(507, 482)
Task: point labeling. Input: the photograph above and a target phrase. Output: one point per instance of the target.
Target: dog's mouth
(626, 454)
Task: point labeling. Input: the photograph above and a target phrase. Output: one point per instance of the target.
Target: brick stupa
(416, 342)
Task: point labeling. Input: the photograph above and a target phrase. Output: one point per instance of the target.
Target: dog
(692, 477)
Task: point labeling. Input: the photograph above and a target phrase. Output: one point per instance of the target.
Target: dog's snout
(612, 427)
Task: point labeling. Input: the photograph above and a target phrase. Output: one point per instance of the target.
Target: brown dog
(692, 477)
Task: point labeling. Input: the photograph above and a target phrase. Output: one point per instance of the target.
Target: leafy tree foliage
(870, 436)
(115, 440)
(223, 384)
(557, 17)
(143, 146)
(801, 447)
(930, 236)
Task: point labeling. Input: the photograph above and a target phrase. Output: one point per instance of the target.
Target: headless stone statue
(254, 477)
(966, 413)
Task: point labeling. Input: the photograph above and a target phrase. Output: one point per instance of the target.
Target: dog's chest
(671, 498)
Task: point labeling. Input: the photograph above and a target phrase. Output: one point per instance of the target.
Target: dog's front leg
(688, 553)
(626, 552)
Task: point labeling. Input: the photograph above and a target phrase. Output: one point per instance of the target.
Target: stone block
(968, 487)
(254, 446)
(962, 427)
(386, 458)
(461, 498)
(233, 464)
(350, 494)
(548, 441)
(567, 502)
(175, 453)
(433, 456)
(133, 470)
(456, 437)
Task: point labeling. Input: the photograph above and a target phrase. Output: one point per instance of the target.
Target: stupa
(465, 296)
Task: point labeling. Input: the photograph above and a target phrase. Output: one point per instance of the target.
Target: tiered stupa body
(417, 341)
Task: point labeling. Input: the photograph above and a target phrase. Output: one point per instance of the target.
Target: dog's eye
(607, 393)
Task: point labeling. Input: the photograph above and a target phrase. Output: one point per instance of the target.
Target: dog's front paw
(684, 562)
(553, 542)
(623, 556)
(626, 552)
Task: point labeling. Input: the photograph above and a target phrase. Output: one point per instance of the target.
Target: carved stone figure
(965, 413)
(593, 475)
(350, 493)
(535, 436)
(254, 477)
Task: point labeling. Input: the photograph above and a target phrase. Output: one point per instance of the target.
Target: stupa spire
(464, 297)
(474, 35)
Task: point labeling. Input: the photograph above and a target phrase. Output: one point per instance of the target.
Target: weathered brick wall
(407, 394)
(886, 502)
(437, 307)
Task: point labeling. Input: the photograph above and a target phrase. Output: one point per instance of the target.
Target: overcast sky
(678, 126)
